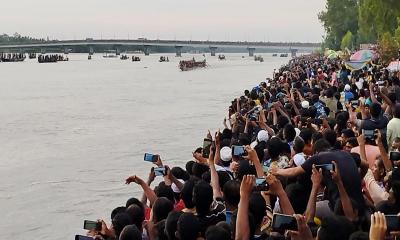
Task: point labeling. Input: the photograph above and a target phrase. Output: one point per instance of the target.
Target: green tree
(376, 17)
(339, 17)
(388, 47)
(397, 31)
(347, 41)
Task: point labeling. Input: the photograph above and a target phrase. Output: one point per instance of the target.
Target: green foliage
(17, 38)
(388, 47)
(347, 41)
(368, 20)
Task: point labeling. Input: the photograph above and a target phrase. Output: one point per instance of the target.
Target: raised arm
(252, 157)
(344, 197)
(385, 158)
(316, 179)
(150, 194)
(275, 188)
(242, 222)
(214, 175)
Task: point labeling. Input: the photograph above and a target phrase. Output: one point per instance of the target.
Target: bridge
(145, 45)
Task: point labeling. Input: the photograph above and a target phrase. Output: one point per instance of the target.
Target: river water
(71, 132)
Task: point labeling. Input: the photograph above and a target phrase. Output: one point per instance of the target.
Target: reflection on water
(72, 131)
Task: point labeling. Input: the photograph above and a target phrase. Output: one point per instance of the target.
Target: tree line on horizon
(349, 23)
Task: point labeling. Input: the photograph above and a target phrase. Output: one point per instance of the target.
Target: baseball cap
(305, 104)
(262, 136)
(347, 87)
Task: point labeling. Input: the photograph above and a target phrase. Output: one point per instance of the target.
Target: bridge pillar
(178, 50)
(251, 51)
(117, 51)
(213, 50)
(91, 50)
(294, 52)
(146, 50)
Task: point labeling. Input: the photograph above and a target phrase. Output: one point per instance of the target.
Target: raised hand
(378, 226)
(247, 185)
(316, 176)
(336, 173)
(134, 179)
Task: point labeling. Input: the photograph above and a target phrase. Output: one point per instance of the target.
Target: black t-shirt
(348, 171)
(216, 215)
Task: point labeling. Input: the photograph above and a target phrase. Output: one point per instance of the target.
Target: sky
(226, 20)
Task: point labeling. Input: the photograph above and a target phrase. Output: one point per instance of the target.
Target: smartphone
(368, 134)
(148, 157)
(238, 151)
(392, 222)
(394, 156)
(80, 237)
(91, 225)
(325, 167)
(261, 185)
(354, 103)
(281, 223)
(206, 147)
(160, 171)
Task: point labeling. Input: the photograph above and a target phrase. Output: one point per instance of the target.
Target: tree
(387, 47)
(339, 17)
(347, 41)
(397, 31)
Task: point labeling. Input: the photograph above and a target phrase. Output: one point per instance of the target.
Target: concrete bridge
(145, 45)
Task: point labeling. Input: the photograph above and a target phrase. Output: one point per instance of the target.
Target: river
(71, 132)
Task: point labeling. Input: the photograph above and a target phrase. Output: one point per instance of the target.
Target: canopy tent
(333, 55)
(394, 66)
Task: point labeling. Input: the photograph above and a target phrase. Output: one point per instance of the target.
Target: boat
(124, 57)
(221, 57)
(284, 55)
(12, 57)
(135, 59)
(258, 59)
(192, 64)
(52, 58)
(163, 59)
(275, 55)
(110, 54)
(89, 57)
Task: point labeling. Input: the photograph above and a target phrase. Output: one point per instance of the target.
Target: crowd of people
(191, 64)
(12, 57)
(312, 153)
(51, 58)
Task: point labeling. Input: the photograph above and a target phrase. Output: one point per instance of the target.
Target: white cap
(262, 136)
(347, 87)
(305, 104)
(175, 188)
(297, 132)
(226, 154)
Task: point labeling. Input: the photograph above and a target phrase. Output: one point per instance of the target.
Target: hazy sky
(251, 20)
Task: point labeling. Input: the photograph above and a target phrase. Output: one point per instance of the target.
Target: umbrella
(394, 66)
(356, 65)
(333, 55)
(363, 55)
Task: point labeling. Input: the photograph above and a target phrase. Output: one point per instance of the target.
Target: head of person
(346, 134)
(137, 215)
(330, 136)
(275, 148)
(179, 173)
(257, 208)
(396, 144)
(130, 232)
(289, 133)
(171, 224)
(396, 110)
(298, 145)
(375, 110)
(187, 193)
(217, 233)
(350, 143)
(245, 168)
(226, 156)
(117, 210)
(162, 190)
(379, 169)
(120, 221)
(330, 225)
(189, 166)
(202, 197)
(298, 197)
(188, 227)
(162, 207)
(321, 145)
(199, 169)
(306, 135)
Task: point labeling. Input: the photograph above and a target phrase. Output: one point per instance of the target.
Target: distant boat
(284, 55)
(192, 64)
(135, 59)
(110, 55)
(89, 57)
(163, 59)
(221, 57)
(275, 55)
(258, 59)
(124, 57)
